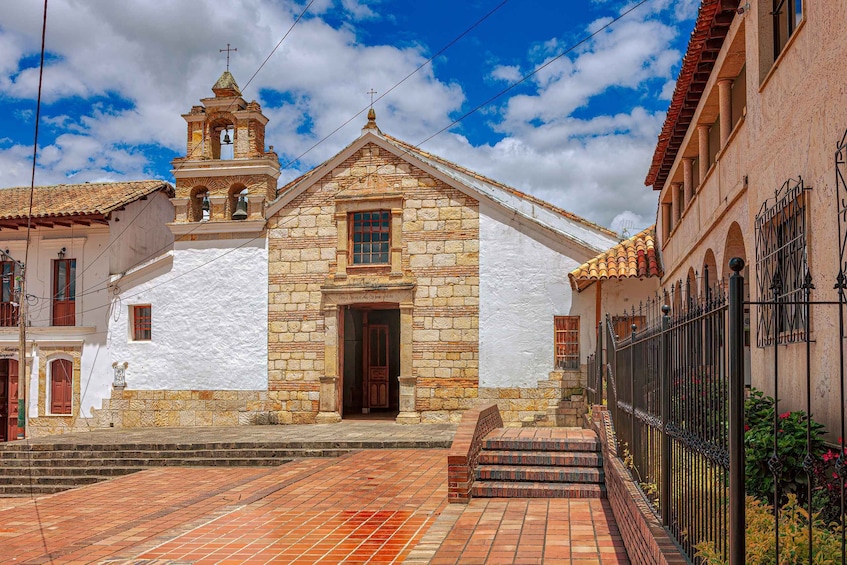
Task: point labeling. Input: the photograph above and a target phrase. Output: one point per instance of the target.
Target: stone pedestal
(408, 414)
(328, 404)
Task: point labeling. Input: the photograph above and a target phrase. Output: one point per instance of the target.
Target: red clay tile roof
(713, 22)
(66, 200)
(633, 257)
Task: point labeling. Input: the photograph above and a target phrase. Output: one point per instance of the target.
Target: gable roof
(713, 21)
(79, 203)
(587, 235)
(631, 258)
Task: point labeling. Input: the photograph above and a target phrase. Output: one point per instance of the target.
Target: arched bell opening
(222, 138)
(199, 205)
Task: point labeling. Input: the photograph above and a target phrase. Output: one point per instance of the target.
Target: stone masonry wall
(440, 256)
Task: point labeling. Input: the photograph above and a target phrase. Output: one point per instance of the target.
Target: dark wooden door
(8, 400)
(377, 367)
(61, 371)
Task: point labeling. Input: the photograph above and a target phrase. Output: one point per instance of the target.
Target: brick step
(547, 444)
(553, 459)
(105, 471)
(497, 489)
(67, 482)
(167, 454)
(539, 474)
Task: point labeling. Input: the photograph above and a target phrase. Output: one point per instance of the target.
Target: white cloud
(156, 63)
(508, 73)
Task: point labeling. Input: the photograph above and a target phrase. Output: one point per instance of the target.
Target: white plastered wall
(209, 319)
(523, 283)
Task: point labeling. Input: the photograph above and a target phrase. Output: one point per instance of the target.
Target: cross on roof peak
(372, 92)
(227, 54)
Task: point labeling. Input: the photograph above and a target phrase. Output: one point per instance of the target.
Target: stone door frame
(334, 296)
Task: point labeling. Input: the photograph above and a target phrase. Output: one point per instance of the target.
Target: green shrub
(791, 447)
(760, 547)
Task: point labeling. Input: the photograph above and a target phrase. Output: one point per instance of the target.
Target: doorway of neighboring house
(8, 399)
(370, 365)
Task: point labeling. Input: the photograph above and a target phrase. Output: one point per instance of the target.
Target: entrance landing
(357, 434)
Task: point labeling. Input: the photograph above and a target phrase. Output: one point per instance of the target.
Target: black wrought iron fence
(667, 391)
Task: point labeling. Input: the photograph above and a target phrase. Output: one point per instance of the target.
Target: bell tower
(227, 176)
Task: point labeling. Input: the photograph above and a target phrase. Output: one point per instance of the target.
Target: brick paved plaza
(378, 506)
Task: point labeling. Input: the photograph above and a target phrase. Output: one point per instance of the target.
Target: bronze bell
(240, 209)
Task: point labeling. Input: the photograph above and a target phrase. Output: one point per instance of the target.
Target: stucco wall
(788, 131)
(209, 319)
(140, 233)
(523, 284)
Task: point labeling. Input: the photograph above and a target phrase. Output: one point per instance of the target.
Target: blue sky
(580, 133)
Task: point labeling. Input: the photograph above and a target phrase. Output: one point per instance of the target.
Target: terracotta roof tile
(633, 257)
(75, 199)
(713, 19)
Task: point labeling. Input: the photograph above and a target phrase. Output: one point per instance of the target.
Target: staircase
(41, 469)
(540, 463)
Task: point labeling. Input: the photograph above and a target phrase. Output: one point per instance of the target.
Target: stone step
(30, 490)
(105, 471)
(498, 489)
(67, 482)
(319, 445)
(157, 462)
(541, 444)
(553, 459)
(539, 474)
(168, 454)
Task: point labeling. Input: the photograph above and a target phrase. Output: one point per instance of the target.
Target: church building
(385, 282)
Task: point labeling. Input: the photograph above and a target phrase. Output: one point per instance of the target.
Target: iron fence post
(736, 414)
(665, 500)
(599, 359)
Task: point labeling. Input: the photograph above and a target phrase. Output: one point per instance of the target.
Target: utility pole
(22, 374)
(20, 292)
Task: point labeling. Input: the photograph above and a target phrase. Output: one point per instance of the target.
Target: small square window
(141, 323)
(370, 237)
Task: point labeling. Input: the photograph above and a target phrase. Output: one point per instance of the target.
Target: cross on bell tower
(228, 50)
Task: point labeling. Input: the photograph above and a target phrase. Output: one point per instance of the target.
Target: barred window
(781, 266)
(567, 341)
(142, 323)
(370, 237)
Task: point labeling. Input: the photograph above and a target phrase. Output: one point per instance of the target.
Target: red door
(60, 386)
(377, 368)
(8, 400)
(64, 292)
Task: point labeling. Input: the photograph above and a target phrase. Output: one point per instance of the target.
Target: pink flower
(746, 427)
(785, 415)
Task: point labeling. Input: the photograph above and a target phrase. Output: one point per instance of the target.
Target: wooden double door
(370, 360)
(8, 399)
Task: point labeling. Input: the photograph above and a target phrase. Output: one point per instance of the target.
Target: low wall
(646, 541)
(461, 460)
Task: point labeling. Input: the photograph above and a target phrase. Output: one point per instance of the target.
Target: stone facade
(432, 277)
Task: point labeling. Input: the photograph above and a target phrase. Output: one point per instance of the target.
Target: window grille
(141, 323)
(567, 341)
(370, 235)
(781, 265)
